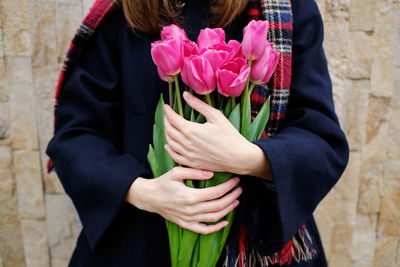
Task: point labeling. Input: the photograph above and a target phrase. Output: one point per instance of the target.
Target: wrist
(137, 193)
(252, 161)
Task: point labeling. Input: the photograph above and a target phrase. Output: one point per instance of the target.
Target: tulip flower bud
(254, 38)
(263, 68)
(232, 77)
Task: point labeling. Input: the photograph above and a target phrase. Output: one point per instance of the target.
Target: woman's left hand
(215, 145)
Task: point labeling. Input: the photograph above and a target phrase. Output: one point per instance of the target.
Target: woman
(104, 120)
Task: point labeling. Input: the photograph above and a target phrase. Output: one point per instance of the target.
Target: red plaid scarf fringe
(278, 13)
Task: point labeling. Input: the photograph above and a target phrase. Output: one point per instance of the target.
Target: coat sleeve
(308, 154)
(86, 146)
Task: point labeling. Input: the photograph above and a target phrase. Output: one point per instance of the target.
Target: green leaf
(200, 118)
(211, 245)
(164, 160)
(176, 106)
(228, 108)
(174, 241)
(187, 111)
(234, 117)
(196, 253)
(192, 118)
(151, 158)
(186, 249)
(259, 123)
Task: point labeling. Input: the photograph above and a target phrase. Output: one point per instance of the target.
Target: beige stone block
(321, 7)
(11, 243)
(45, 76)
(362, 15)
(388, 223)
(35, 243)
(335, 39)
(394, 134)
(22, 112)
(3, 93)
(325, 222)
(357, 111)
(68, 17)
(340, 85)
(369, 196)
(7, 184)
(337, 10)
(391, 186)
(62, 222)
(342, 210)
(359, 52)
(342, 240)
(396, 88)
(44, 42)
(4, 123)
(385, 252)
(383, 76)
(375, 149)
(364, 240)
(29, 184)
(16, 27)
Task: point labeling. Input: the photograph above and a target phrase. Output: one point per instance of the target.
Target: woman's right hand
(188, 207)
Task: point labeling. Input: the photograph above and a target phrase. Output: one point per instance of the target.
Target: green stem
(246, 89)
(208, 99)
(178, 95)
(233, 104)
(171, 96)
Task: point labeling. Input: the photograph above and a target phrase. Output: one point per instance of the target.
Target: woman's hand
(215, 145)
(168, 196)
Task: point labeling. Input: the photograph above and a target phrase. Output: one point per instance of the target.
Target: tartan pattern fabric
(278, 13)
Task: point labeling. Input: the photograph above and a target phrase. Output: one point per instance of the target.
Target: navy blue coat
(104, 125)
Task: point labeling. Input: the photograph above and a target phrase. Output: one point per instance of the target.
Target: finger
(214, 192)
(176, 120)
(208, 111)
(216, 205)
(183, 173)
(178, 158)
(175, 146)
(215, 216)
(172, 133)
(206, 229)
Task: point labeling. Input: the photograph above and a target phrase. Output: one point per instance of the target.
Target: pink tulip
(173, 32)
(190, 48)
(263, 68)
(209, 37)
(216, 57)
(232, 77)
(168, 55)
(198, 74)
(254, 38)
(165, 77)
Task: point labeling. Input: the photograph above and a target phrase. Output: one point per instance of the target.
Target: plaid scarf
(278, 14)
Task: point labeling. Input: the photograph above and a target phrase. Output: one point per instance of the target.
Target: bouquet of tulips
(234, 69)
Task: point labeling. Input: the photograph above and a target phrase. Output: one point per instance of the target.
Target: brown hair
(150, 16)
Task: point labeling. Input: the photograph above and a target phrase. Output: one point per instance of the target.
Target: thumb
(200, 106)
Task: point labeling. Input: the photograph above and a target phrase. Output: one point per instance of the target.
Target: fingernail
(188, 95)
(208, 173)
(225, 223)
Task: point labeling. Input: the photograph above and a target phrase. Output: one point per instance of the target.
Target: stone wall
(358, 220)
